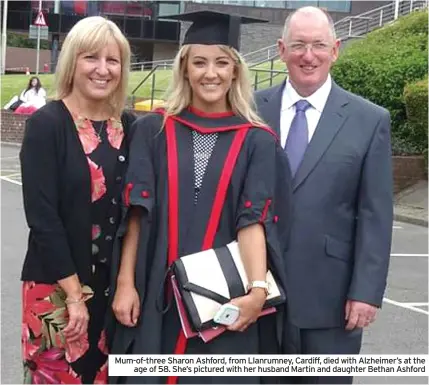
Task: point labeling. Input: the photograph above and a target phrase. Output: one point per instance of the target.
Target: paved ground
(411, 205)
(401, 328)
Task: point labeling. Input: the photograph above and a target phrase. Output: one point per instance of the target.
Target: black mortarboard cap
(212, 27)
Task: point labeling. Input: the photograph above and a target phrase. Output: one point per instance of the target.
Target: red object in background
(25, 110)
(123, 8)
(46, 68)
(80, 7)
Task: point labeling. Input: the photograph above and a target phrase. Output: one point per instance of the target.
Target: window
(299, 4)
(330, 5)
(270, 4)
(335, 6)
(166, 8)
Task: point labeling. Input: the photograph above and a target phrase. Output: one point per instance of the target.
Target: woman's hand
(250, 307)
(126, 305)
(78, 320)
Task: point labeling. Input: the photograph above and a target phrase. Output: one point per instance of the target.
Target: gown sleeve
(139, 191)
(266, 197)
(139, 187)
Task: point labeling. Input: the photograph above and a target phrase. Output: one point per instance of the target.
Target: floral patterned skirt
(47, 356)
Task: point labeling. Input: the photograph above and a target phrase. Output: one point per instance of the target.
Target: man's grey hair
(308, 10)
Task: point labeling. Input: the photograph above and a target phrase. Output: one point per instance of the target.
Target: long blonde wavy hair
(240, 96)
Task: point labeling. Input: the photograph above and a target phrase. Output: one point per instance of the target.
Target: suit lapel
(271, 108)
(331, 120)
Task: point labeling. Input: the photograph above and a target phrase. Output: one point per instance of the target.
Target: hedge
(416, 102)
(379, 66)
(22, 41)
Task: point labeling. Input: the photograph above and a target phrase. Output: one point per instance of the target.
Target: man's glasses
(320, 47)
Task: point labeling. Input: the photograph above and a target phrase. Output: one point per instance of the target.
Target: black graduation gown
(259, 191)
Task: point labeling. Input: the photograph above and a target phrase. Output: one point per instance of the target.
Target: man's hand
(359, 314)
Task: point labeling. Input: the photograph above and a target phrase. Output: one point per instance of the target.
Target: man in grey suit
(338, 146)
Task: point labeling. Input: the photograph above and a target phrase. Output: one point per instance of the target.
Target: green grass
(14, 84)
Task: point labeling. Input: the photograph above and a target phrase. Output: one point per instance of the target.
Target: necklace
(98, 134)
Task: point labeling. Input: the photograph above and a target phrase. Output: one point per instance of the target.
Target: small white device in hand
(227, 314)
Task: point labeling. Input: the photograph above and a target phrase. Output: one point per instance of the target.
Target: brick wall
(18, 59)
(407, 170)
(12, 126)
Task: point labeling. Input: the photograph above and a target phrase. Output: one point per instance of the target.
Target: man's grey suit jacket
(342, 215)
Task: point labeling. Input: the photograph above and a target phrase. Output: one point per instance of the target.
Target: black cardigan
(57, 195)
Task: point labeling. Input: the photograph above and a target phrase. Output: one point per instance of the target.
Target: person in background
(73, 158)
(338, 146)
(34, 94)
(30, 100)
(208, 121)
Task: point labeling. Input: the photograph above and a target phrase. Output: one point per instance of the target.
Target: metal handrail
(144, 79)
(342, 26)
(273, 74)
(359, 25)
(350, 27)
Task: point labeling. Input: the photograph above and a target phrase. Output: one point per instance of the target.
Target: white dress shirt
(290, 97)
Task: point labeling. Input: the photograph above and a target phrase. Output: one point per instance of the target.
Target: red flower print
(98, 181)
(96, 232)
(46, 365)
(115, 133)
(102, 343)
(35, 304)
(101, 377)
(77, 349)
(28, 348)
(87, 135)
(67, 378)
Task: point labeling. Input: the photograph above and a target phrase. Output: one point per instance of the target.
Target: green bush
(379, 66)
(416, 104)
(22, 41)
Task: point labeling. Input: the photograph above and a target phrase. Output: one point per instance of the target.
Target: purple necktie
(297, 139)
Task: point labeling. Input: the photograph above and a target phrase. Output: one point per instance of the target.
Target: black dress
(48, 357)
(258, 192)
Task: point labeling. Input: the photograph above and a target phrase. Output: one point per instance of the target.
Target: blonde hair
(240, 95)
(90, 35)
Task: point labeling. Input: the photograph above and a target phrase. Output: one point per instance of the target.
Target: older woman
(73, 158)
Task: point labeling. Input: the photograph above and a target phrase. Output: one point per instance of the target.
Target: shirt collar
(317, 99)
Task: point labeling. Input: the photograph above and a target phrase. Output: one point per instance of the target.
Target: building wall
(257, 36)
(253, 37)
(278, 15)
(18, 59)
(164, 51)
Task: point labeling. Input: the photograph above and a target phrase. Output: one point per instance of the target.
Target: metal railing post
(271, 72)
(411, 6)
(396, 9)
(153, 90)
(350, 28)
(381, 18)
(256, 81)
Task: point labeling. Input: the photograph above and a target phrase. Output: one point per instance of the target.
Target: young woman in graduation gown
(73, 160)
(177, 158)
